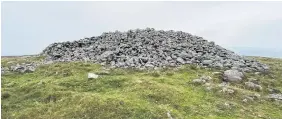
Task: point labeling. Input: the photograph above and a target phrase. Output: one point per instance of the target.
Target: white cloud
(227, 23)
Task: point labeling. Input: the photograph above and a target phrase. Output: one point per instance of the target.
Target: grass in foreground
(62, 90)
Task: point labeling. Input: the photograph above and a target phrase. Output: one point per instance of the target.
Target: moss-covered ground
(63, 91)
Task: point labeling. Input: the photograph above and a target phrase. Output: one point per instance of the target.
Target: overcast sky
(248, 28)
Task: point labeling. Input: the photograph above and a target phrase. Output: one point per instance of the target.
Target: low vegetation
(62, 90)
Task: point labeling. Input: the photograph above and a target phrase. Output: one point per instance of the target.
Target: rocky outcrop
(24, 68)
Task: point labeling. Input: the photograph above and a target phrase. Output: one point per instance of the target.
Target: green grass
(62, 90)
(9, 61)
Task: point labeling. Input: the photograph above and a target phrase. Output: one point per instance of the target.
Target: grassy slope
(63, 91)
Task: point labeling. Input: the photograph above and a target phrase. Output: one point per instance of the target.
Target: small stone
(273, 90)
(257, 73)
(253, 86)
(218, 65)
(5, 95)
(207, 62)
(180, 60)
(275, 96)
(208, 88)
(198, 81)
(223, 84)
(257, 95)
(245, 100)
(92, 76)
(206, 78)
(169, 115)
(106, 54)
(227, 90)
(149, 65)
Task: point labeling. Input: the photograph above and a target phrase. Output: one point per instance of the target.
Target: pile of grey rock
(149, 48)
(21, 68)
(24, 68)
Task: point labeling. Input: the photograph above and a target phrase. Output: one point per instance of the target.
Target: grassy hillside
(62, 90)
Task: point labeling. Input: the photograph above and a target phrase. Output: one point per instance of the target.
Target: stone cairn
(149, 48)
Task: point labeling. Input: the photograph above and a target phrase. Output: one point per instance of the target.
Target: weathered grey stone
(198, 81)
(253, 86)
(232, 76)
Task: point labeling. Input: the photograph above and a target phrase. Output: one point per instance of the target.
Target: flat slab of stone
(92, 76)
